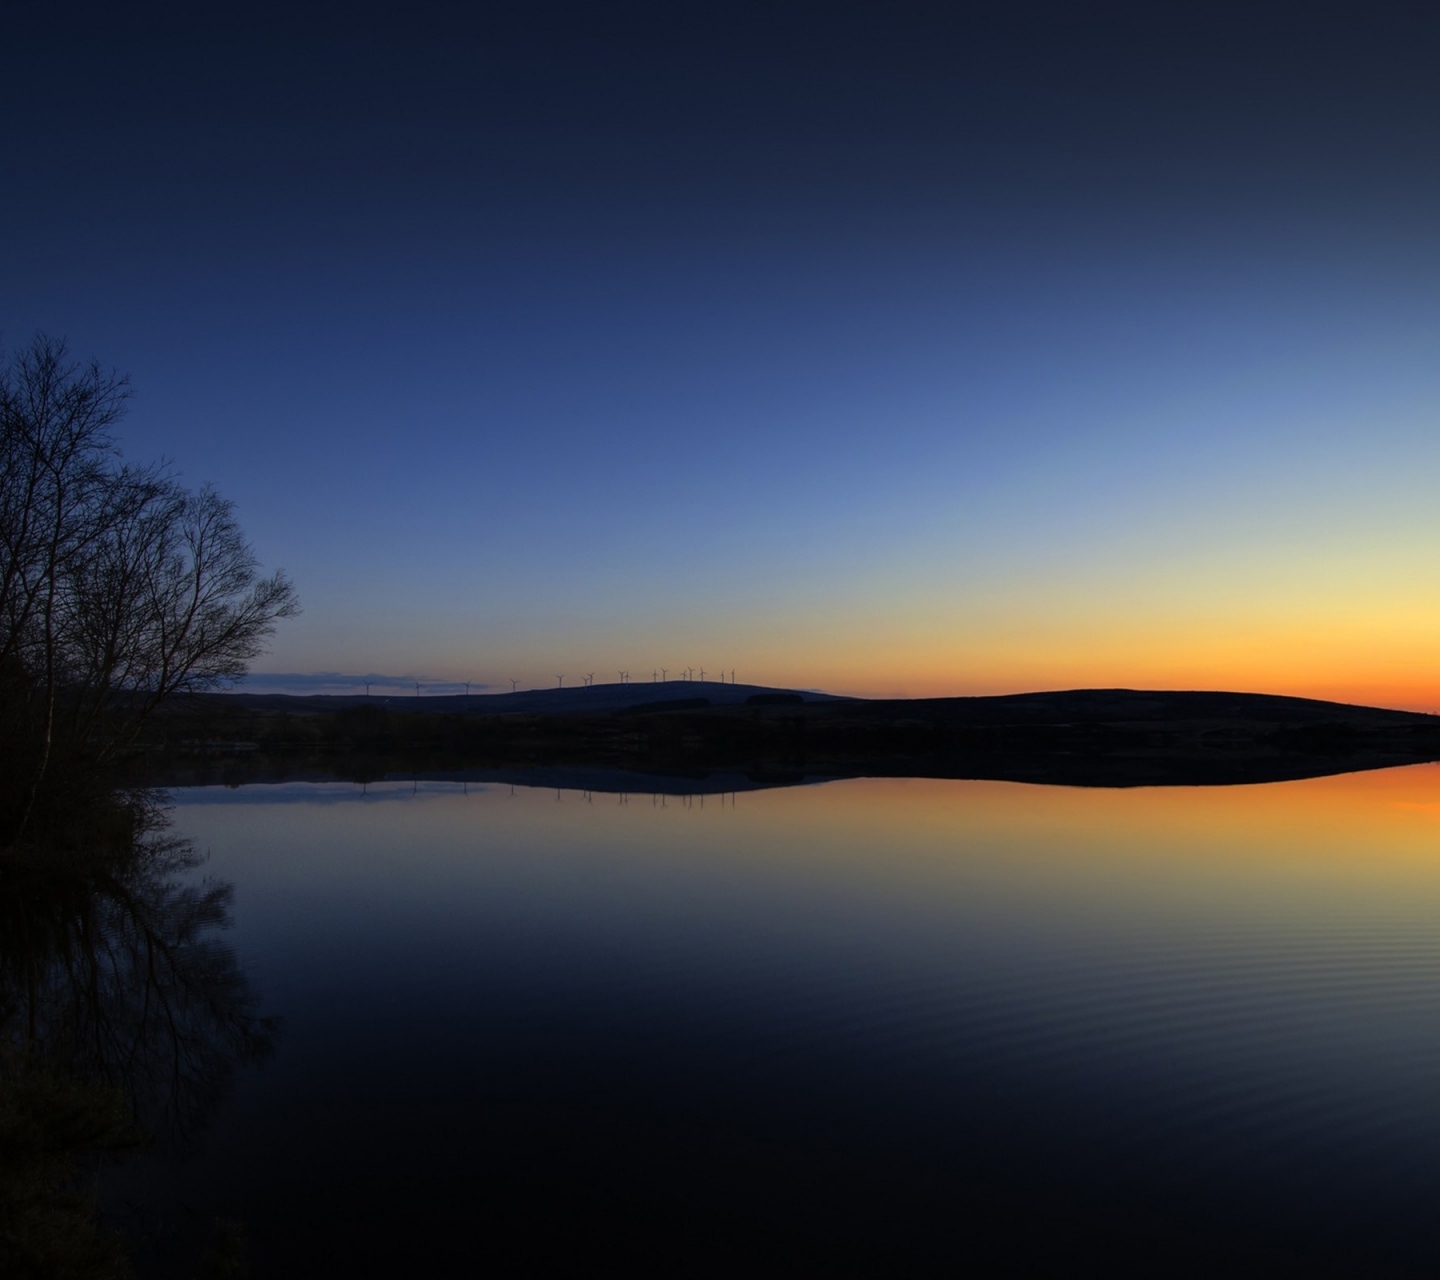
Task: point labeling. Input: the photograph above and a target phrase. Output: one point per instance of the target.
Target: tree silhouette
(118, 587)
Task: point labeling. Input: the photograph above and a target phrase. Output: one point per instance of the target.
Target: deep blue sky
(881, 349)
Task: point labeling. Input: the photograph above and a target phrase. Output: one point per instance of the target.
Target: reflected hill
(768, 737)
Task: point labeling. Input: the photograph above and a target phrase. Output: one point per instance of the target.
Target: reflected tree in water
(124, 1016)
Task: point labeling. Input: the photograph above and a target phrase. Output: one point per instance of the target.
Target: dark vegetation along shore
(722, 737)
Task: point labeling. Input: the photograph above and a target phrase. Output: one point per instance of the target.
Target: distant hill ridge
(596, 699)
(1116, 706)
(1068, 706)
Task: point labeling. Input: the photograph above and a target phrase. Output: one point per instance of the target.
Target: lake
(853, 1026)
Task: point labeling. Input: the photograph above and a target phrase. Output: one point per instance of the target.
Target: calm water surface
(855, 1025)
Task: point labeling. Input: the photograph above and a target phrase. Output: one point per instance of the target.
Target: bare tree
(172, 601)
(118, 587)
(55, 482)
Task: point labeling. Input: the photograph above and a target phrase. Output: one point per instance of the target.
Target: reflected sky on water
(850, 1022)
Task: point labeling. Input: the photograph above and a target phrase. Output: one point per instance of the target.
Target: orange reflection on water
(1359, 842)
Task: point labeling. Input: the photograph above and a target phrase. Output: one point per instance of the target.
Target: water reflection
(873, 1025)
(124, 1017)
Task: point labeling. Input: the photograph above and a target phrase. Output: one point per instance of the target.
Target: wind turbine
(665, 674)
(417, 688)
(590, 679)
(467, 688)
(654, 676)
(559, 682)
(702, 675)
(367, 688)
(514, 684)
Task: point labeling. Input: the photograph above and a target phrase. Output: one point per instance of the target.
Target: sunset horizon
(917, 357)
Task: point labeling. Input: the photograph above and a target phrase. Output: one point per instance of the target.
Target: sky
(887, 350)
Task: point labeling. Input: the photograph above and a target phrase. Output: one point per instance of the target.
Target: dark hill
(1096, 737)
(1128, 706)
(597, 699)
(1130, 737)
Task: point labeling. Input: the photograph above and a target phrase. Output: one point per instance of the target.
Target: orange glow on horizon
(1363, 662)
(1361, 638)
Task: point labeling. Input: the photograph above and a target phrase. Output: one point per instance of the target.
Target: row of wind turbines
(660, 675)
